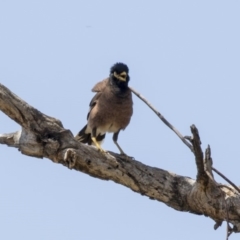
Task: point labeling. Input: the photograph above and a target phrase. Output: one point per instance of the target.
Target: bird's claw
(102, 151)
(126, 157)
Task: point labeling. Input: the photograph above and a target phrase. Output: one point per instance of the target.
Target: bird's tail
(84, 137)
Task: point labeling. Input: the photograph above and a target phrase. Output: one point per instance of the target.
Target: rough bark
(44, 136)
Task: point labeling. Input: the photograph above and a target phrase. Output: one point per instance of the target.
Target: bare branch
(208, 163)
(10, 139)
(162, 118)
(24, 114)
(43, 136)
(196, 142)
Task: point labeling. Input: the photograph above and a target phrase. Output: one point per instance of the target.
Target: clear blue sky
(184, 57)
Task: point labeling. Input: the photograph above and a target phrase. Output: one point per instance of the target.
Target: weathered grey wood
(44, 136)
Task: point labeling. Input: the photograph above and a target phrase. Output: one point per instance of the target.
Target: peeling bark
(44, 136)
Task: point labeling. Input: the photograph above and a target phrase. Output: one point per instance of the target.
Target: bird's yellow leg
(98, 145)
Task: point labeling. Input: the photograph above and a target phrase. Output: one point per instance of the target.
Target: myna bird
(110, 109)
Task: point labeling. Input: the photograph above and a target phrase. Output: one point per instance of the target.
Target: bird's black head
(119, 74)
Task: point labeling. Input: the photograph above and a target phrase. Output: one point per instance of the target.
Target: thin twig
(226, 179)
(162, 118)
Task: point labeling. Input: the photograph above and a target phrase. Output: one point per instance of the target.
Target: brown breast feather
(109, 111)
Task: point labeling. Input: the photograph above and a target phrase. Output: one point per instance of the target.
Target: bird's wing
(100, 86)
(93, 102)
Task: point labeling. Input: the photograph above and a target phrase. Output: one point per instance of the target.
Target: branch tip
(197, 150)
(208, 162)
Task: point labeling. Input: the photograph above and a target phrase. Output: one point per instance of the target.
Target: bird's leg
(94, 131)
(115, 137)
(97, 145)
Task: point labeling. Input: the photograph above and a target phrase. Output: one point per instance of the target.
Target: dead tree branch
(44, 136)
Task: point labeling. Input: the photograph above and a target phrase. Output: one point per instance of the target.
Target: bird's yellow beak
(122, 76)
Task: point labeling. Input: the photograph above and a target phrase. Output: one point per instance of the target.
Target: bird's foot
(97, 145)
(126, 157)
(102, 150)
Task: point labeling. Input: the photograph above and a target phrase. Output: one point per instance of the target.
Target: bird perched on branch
(110, 109)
